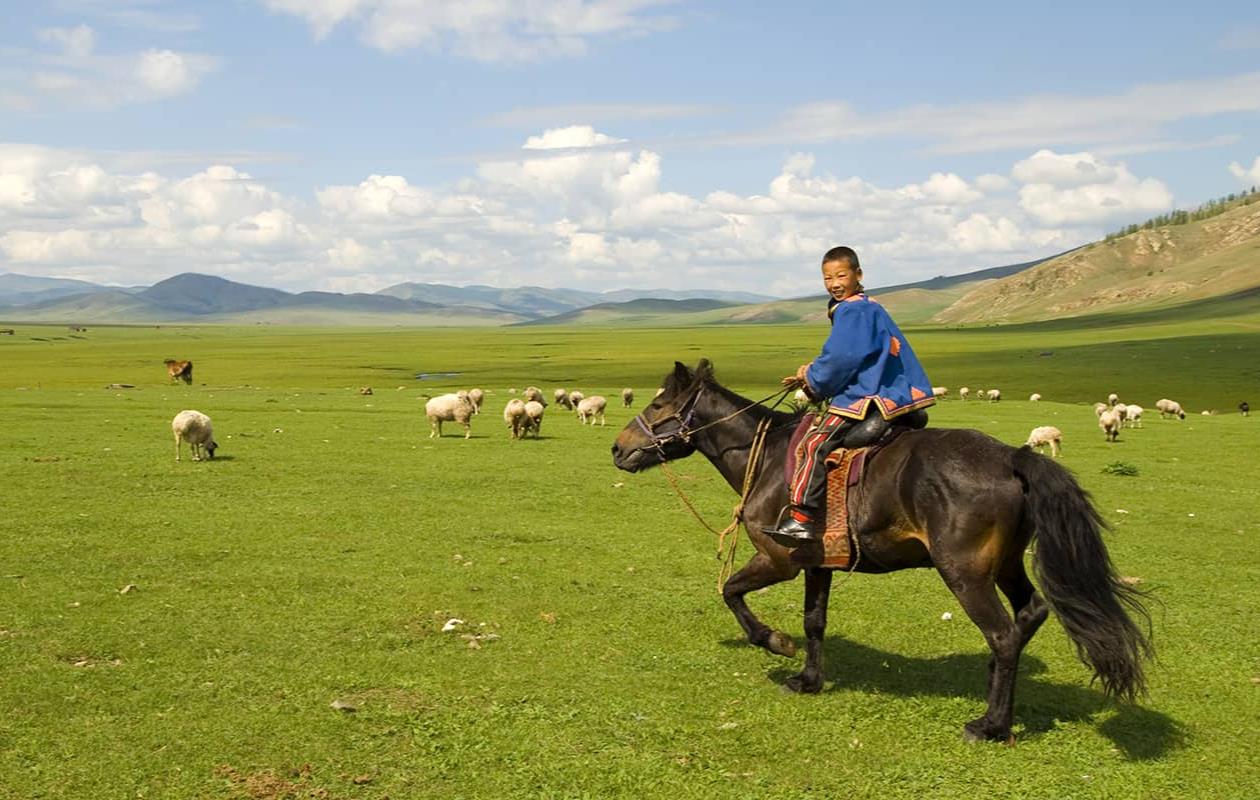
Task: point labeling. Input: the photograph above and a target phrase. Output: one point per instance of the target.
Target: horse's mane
(683, 380)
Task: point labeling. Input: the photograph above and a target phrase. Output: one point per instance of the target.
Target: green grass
(319, 557)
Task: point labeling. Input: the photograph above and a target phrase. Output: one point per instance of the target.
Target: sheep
(939, 391)
(562, 399)
(1034, 398)
(627, 397)
(1046, 435)
(1207, 413)
(1244, 408)
(533, 418)
(1133, 415)
(575, 399)
(1170, 407)
(963, 393)
(365, 390)
(476, 396)
(449, 408)
(1099, 408)
(195, 428)
(592, 407)
(516, 417)
(533, 393)
(1122, 410)
(994, 395)
(1109, 421)
(1112, 399)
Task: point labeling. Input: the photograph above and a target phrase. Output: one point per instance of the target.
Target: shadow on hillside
(1139, 733)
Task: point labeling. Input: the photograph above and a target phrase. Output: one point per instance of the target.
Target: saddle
(845, 466)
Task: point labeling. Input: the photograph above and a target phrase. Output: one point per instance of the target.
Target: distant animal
(1170, 408)
(533, 417)
(1133, 415)
(449, 408)
(964, 393)
(627, 397)
(1110, 422)
(181, 370)
(195, 428)
(1099, 408)
(476, 396)
(575, 397)
(592, 408)
(1112, 399)
(535, 394)
(562, 399)
(516, 417)
(1244, 408)
(7, 332)
(939, 391)
(1046, 435)
(365, 390)
(994, 395)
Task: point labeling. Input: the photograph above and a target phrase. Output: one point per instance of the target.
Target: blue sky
(352, 144)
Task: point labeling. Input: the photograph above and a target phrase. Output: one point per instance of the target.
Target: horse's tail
(1078, 579)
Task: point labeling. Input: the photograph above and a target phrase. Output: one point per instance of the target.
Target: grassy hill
(1149, 269)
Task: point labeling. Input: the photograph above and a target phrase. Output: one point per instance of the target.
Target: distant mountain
(536, 301)
(729, 298)
(642, 311)
(194, 294)
(20, 290)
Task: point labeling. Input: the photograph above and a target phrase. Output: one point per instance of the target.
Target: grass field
(317, 559)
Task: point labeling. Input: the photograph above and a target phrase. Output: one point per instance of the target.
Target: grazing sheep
(1046, 435)
(1122, 410)
(476, 396)
(365, 390)
(1110, 422)
(939, 391)
(516, 417)
(1034, 398)
(1133, 415)
(1206, 413)
(512, 390)
(1244, 408)
(195, 428)
(994, 395)
(575, 399)
(964, 393)
(449, 408)
(1112, 399)
(1168, 407)
(533, 418)
(533, 393)
(627, 396)
(592, 407)
(1099, 408)
(562, 399)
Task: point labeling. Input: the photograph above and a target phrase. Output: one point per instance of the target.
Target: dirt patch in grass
(268, 785)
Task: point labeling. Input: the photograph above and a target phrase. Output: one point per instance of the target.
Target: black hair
(843, 254)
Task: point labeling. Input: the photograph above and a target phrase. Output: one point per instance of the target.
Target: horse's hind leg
(759, 572)
(976, 592)
(817, 592)
(1030, 609)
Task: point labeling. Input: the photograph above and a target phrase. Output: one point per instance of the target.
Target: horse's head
(662, 431)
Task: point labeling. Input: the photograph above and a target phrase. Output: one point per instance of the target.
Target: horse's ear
(681, 374)
(704, 369)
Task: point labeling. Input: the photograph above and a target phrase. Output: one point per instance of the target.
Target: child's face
(841, 279)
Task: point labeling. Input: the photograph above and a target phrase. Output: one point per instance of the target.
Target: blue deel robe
(866, 359)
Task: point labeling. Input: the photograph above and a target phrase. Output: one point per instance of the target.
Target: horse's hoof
(800, 685)
(977, 731)
(781, 644)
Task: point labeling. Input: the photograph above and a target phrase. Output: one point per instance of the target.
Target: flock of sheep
(523, 414)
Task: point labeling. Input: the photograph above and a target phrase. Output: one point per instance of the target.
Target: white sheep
(195, 428)
(1046, 435)
(535, 394)
(591, 407)
(1034, 398)
(627, 397)
(575, 398)
(1122, 410)
(1133, 415)
(994, 395)
(533, 418)
(1170, 407)
(1112, 399)
(1110, 421)
(516, 417)
(449, 408)
(964, 393)
(562, 398)
(1099, 408)
(939, 391)
(476, 396)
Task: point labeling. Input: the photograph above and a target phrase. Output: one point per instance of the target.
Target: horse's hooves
(976, 731)
(799, 685)
(781, 644)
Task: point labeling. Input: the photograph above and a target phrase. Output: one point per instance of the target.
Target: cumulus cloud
(576, 207)
(72, 72)
(488, 30)
(1251, 176)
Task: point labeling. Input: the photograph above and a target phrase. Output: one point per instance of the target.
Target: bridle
(684, 432)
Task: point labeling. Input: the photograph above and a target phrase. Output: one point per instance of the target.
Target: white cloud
(486, 30)
(1240, 172)
(75, 42)
(572, 136)
(592, 216)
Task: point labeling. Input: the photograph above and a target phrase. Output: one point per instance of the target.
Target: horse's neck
(727, 444)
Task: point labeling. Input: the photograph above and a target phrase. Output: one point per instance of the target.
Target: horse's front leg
(760, 571)
(817, 591)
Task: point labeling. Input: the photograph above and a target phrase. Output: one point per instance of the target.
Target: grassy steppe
(319, 557)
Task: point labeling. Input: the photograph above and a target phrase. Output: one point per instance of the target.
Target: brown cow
(179, 369)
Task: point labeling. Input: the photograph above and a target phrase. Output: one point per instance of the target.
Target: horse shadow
(1140, 734)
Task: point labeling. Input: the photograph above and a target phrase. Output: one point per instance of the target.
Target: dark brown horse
(179, 370)
(956, 500)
